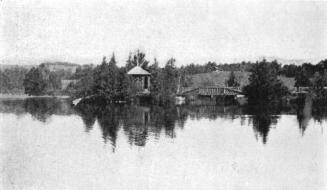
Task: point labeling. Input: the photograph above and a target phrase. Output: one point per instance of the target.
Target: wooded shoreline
(261, 81)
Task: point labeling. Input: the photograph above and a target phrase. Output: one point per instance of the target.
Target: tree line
(112, 83)
(11, 80)
(36, 81)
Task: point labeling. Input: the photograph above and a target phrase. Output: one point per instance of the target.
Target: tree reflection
(305, 111)
(139, 123)
(319, 113)
(213, 112)
(136, 121)
(262, 118)
(40, 108)
(108, 120)
(88, 114)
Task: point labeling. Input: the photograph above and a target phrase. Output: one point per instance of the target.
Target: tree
(264, 86)
(289, 70)
(101, 74)
(129, 88)
(11, 80)
(85, 82)
(155, 80)
(302, 78)
(105, 79)
(168, 79)
(210, 66)
(137, 58)
(275, 67)
(126, 87)
(232, 82)
(129, 63)
(4, 82)
(113, 77)
(34, 82)
(318, 83)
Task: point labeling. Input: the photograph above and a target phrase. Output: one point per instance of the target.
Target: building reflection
(136, 123)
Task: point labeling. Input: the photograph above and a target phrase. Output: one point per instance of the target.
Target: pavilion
(142, 79)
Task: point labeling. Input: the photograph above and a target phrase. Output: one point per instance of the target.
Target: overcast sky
(189, 30)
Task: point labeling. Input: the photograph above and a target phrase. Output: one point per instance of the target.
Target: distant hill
(28, 67)
(56, 66)
(52, 66)
(58, 63)
(290, 61)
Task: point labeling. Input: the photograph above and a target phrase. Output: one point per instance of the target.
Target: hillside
(3, 66)
(218, 78)
(52, 65)
(284, 61)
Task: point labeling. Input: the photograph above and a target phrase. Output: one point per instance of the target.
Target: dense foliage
(11, 80)
(264, 86)
(113, 84)
(34, 82)
(41, 81)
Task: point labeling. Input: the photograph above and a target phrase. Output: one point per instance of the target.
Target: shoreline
(25, 96)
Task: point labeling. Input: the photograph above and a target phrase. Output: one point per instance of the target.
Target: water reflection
(262, 119)
(140, 122)
(304, 113)
(137, 122)
(40, 108)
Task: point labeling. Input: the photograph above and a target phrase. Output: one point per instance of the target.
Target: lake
(45, 143)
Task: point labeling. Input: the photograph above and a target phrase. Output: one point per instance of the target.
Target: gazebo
(142, 79)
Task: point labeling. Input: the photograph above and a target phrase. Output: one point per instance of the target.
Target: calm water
(47, 144)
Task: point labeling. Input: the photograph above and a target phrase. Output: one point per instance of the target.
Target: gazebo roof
(137, 70)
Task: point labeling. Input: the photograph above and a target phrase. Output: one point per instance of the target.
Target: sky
(191, 31)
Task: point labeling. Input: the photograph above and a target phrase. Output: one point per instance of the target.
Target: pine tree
(264, 86)
(155, 80)
(139, 59)
(168, 78)
(101, 74)
(302, 78)
(129, 63)
(318, 83)
(112, 78)
(136, 58)
(232, 82)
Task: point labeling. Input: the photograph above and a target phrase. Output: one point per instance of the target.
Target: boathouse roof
(137, 70)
